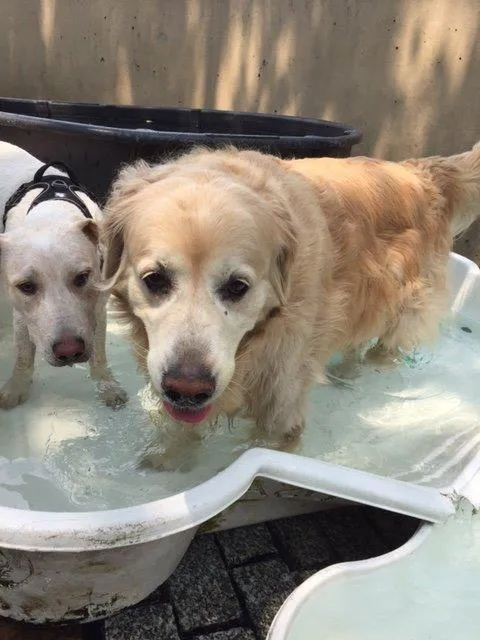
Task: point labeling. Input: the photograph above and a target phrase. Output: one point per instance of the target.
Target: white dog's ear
(89, 228)
(4, 240)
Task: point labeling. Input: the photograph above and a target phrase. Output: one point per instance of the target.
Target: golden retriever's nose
(188, 384)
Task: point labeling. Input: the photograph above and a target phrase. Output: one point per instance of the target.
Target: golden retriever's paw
(295, 432)
(172, 451)
(342, 377)
(156, 460)
(286, 439)
(381, 355)
(163, 460)
(112, 394)
(344, 371)
(14, 393)
(292, 437)
(339, 382)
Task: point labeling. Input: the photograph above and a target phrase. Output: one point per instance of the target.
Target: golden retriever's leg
(16, 390)
(109, 389)
(282, 417)
(177, 451)
(415, 327)
(174, 447)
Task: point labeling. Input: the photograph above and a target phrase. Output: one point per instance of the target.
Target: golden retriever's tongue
(192, 416)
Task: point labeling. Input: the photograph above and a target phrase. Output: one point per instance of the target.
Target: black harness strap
(57, 187)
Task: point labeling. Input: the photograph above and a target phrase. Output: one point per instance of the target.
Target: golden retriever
(242, 273)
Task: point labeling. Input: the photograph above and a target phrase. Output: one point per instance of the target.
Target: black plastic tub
(96, 139)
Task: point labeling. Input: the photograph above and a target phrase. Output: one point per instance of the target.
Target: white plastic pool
(84, 531)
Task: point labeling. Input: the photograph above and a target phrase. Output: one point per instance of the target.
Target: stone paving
(230, 584)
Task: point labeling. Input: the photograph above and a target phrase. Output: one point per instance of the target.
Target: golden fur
(339, 251)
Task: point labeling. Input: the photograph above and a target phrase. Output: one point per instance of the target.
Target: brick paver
(302, 542)
(230, 634)
(201, 589)
(143, 622)
(264, 587)
(246, 544)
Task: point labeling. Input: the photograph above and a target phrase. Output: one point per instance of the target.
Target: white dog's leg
(109, 389)
(16, 390)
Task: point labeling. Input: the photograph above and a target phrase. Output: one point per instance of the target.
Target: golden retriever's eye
(28, 288)
(81, 279)
(158, 282)
(233, 289)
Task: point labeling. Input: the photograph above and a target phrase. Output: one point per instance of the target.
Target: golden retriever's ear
(282, 265)
(280, 277)
(129, 181)
(119, 207)
(112, 241)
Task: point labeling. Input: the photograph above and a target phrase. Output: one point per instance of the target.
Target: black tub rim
(347, 136)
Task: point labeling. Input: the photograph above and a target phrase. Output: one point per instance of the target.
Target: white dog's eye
(158, 282)
(81, 279)
(233, 289)
(28, 288)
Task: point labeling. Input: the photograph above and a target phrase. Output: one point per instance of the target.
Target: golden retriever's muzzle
(187, 386)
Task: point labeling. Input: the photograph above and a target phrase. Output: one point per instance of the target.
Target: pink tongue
(192, 416)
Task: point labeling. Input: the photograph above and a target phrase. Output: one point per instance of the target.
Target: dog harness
(57, 187)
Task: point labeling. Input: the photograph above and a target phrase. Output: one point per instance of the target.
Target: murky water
(432, 593)
(64, 451)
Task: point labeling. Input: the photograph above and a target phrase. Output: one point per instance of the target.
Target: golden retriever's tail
(466, 206)
(458, 177)
(458, 180)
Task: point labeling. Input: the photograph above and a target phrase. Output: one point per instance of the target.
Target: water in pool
(64, 451)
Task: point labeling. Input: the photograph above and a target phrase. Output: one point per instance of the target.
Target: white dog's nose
(69, 349)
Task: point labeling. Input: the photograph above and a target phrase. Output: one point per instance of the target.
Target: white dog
(50, 262)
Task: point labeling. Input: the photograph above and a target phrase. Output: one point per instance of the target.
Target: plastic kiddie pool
(85, 532)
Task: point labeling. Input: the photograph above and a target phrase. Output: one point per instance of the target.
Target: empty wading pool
(85, 529)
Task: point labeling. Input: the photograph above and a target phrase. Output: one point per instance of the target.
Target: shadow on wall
(405, 71)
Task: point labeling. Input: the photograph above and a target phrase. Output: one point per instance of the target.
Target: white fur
(51, 244)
